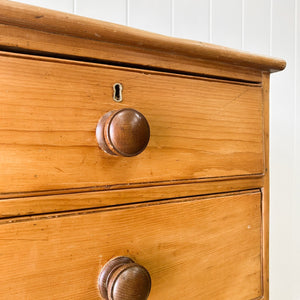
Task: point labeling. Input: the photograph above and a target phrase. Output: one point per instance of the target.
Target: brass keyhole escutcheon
(117, 92)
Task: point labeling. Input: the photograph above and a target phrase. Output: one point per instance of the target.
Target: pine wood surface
(266, 187)
(201, 248)
(208, 110)
(41, 204)
(200, 127)
(41, 19)
(24, 40)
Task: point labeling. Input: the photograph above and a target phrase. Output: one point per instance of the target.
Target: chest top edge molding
(60, 23)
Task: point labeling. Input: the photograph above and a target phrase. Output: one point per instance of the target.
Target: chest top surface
(31, 29)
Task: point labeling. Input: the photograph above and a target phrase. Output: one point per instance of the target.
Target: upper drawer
(200, 128)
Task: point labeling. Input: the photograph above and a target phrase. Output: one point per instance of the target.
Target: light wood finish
(200, 127)
(35, 204)
(16, 39)
(192, 208)
(65, 34)
(42, 19)
(201, 248)
(265, 189)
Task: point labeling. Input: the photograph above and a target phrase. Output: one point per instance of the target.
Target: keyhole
(118, 92)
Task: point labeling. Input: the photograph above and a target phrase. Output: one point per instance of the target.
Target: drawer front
(200, 128)
(198, 248)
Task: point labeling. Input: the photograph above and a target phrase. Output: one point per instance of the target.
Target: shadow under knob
(123, 279)
(123, 132)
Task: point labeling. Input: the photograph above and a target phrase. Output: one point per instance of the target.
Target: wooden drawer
(196, 248)
(200, 127)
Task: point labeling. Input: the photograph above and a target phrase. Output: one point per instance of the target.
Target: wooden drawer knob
(123, 279)
(123, 132)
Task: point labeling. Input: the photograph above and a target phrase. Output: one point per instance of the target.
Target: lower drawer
(197, 248)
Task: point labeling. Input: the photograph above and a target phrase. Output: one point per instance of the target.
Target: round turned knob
(123, 279)
(123, 132)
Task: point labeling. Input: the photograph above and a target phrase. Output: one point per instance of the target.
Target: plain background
(268, 27)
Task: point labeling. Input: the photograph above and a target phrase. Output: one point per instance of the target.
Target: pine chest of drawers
(130, 163)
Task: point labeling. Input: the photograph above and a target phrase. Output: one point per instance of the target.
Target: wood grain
(15, 207)
(41, 19)
(208, 110)
(24, 40)
(200, 128)
(205, 248)
(266, 188)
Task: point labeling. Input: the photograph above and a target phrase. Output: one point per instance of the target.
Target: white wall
(263, 26)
